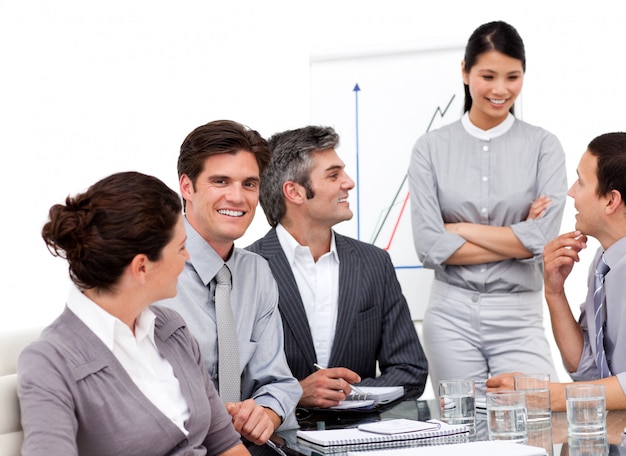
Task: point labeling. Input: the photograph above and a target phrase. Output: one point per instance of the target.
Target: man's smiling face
(223, 201)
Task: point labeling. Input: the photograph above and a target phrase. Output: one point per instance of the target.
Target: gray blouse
(459, 173)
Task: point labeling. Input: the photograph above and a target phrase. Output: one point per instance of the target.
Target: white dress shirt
(137, 354)
(318, 283)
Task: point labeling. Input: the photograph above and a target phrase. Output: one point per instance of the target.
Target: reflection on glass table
(552, 435)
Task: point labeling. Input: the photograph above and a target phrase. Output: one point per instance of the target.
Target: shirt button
(485, 178)
(483, 210)
(485, 148)
(475, 297)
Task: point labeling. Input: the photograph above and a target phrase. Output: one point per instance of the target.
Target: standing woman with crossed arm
(487, 192)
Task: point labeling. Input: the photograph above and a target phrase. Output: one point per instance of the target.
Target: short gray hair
(291, 160)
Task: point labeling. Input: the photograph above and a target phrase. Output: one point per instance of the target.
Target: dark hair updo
(100, 231)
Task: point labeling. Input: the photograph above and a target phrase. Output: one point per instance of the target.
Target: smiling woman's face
(494, 83)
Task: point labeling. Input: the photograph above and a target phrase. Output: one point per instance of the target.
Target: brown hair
(100, 231)
(219, 137)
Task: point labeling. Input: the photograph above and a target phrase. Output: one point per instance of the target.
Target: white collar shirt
(138, 355)
(490, 134)
(318, 283)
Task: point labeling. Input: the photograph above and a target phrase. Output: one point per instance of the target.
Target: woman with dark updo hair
(487, 193)
(113, 375)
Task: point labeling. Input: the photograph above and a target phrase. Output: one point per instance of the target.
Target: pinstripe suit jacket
(373, 320)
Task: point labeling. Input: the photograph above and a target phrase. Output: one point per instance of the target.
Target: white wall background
(92, 88)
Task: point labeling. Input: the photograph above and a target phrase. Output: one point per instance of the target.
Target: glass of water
(537, 388)
(586, 409)
(506, 416)
(456, 402)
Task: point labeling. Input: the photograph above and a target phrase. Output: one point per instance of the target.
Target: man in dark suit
(341, 303)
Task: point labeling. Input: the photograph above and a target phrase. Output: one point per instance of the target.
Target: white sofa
(11, 344)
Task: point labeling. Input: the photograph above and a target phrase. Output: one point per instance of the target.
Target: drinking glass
(506, 416)
(456, 402)
(537, 388)
(586, 409)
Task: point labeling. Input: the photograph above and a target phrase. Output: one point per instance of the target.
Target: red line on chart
(395, 226)
(442, 113)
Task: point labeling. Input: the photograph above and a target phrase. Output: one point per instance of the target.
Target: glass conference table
(552, 438)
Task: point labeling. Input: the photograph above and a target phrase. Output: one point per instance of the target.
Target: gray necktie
(227, 346)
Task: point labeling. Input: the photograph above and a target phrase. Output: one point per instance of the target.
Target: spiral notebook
(371, 397)
(433, 432)
(379, 394)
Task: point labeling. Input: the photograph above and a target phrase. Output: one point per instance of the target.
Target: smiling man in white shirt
(340, 300)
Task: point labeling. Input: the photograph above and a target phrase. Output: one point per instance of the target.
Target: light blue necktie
(598, 304)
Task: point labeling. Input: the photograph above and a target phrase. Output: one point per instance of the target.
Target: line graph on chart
(380, 103)
(390, 217)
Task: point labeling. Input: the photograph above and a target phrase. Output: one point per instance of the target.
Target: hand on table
(251, 420)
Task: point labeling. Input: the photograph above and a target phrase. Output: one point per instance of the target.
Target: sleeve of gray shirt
(551, 182)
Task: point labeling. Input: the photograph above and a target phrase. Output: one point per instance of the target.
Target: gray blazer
(373, 321)
(76, 398)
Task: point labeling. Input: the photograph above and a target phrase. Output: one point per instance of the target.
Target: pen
(275, 447)
(354, 388)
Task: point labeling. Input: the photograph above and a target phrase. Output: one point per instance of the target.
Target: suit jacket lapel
(349, 285)
(294, 315)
